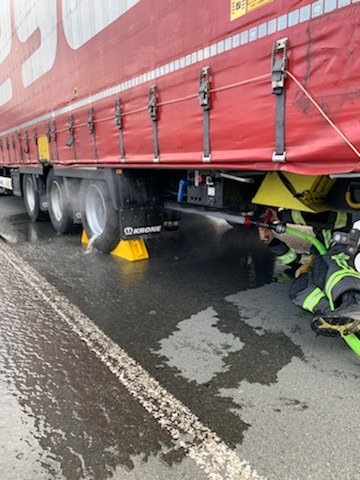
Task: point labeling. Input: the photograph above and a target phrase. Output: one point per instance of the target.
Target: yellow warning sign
(238, 8)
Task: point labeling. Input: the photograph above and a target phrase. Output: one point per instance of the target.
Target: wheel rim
(56, 201)
(95, 210)
(30, 194)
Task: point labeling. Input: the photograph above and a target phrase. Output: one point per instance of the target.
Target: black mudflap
(140, 222)
(141, 210)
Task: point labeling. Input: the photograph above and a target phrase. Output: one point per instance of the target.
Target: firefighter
(326, 285)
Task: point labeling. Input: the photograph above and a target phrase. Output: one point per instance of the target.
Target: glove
(265, 234)
(305, 267)
(271, 215)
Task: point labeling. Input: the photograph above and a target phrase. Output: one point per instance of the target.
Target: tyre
(99, 217)
(60, 210)
(32, 199)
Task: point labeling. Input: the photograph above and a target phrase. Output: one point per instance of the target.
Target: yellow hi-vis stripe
(288, 257)
(341, 220)
(341, 259)
(297, 217)
(327, 234)
(313, 299)
(335, 279)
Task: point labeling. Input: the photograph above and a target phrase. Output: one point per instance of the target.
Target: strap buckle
(279, 66)
(204, 88)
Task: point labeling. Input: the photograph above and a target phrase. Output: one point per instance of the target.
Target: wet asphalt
(207, 316)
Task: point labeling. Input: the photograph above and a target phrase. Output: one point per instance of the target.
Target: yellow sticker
(43, 149)
(238, 8)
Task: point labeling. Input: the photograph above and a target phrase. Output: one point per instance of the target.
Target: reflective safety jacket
(331, 284)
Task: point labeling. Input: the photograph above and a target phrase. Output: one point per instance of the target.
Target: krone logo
(142, 230)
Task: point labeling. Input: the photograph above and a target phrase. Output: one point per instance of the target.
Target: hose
(353, 342)
(307, 236)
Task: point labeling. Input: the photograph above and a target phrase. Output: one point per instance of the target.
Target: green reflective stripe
(313, 299)
(343, 255)
(288, 257)
(297, 217)
(341, 259)
(327, 235)
(341, 220)
(335, 278)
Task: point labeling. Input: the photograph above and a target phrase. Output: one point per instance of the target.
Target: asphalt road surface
(193, 364)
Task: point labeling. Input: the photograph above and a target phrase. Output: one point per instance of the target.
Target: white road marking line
(201, 444)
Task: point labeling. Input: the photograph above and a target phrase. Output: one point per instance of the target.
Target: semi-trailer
(122, 114)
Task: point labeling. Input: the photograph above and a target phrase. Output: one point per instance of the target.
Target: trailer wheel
(32, 199)
(99, 217)
(59, 206)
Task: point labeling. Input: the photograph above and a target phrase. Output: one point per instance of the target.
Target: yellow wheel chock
(132, 250)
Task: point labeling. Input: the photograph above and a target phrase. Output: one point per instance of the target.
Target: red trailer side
(58, 59)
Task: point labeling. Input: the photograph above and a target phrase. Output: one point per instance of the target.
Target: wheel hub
(30, 194)
(95, 210)
(56, 201)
